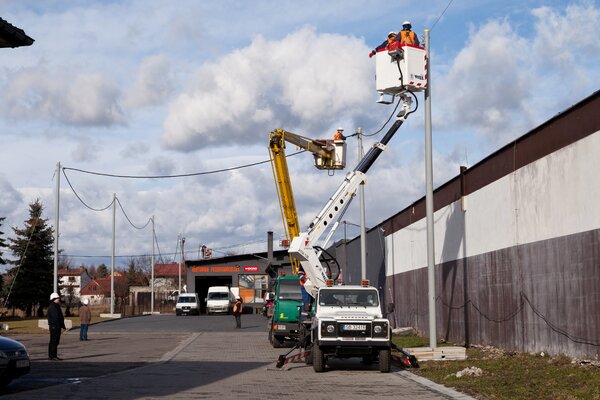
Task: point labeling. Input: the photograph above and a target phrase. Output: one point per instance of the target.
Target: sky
(162, 88)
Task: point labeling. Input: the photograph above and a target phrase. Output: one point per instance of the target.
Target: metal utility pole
(56, 222)
(182, 262)
(152, 271)
(429, 204)
(112, 263)
(363, 232)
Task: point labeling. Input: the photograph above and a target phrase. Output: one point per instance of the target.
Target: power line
(216, 171)
(79, 197)
(441, 15)
(127, 217)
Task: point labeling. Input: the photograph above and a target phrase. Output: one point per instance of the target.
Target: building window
(253, 287)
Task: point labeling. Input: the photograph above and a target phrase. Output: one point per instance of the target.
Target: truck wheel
(309, 357)
(384, 360)
(318, 358)
(277, 341)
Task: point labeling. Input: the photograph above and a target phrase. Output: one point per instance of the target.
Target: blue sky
(161, 88)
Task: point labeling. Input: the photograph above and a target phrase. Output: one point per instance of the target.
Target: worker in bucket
(406, 36)
(390, 38)
(339, 134)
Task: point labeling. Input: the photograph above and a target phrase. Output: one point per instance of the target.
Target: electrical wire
(127, 217)
(441, 15)
(79, 197)
(174, 176)
(523, 299)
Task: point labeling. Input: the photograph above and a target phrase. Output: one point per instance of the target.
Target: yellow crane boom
(328, 154)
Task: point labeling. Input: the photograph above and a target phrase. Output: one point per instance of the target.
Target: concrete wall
(517, 259)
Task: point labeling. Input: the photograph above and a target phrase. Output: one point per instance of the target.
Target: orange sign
(225, 268)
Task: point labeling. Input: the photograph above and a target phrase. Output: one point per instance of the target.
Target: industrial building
(250, 273)
(517, 245)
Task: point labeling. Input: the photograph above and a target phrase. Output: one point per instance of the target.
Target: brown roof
(102, 286)
(70, 272)
(167, 270)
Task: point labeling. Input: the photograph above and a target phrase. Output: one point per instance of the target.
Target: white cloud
(10, 198)
(38, 93)
(488, 83)
(154, 82)
(305, 79)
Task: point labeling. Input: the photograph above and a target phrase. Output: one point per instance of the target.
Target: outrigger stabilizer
(406, 359)
(284, 359)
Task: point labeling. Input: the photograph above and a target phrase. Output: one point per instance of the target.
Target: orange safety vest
(302, 279)
(407, 37)
(236, 307)
(338, 136)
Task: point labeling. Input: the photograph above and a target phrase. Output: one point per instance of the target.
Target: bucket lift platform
(400, 68)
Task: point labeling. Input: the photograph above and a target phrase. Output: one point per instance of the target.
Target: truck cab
(285, 310)
(348, 322)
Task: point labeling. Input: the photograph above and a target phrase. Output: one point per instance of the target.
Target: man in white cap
(85, 317)
(56, 323)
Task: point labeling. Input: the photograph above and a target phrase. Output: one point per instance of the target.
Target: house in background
(166, 278)
(98, 291)
(70, 283)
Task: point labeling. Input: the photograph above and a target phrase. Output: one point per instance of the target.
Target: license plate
(22, 363)
(348, 327)
(281, 327)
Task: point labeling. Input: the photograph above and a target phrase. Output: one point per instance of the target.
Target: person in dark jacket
(56, 323)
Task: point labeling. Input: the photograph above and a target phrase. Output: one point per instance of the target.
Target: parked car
(14, 360)
(187, 304)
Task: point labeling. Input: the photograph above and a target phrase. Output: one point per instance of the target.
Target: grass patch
(30, 325)
(511, 375)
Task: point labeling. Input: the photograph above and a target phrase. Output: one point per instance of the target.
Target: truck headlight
(328, 329)
(380, 329)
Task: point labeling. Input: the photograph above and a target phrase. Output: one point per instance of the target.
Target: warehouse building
(517, 245)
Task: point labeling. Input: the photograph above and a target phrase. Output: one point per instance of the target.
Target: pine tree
(33, 271)
(2, 242)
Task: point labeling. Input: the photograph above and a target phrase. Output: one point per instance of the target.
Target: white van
(187, 304)
(219, 299)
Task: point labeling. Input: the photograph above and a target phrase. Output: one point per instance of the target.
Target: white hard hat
(340, 129)
(392, 33)
(406, 23)
(54, 296)
(86, 301)
(238, 298)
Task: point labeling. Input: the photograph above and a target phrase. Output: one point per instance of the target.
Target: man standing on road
(85, 317)
(237, 312)
(56, 323)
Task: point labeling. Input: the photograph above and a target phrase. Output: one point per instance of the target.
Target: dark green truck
(285, 310)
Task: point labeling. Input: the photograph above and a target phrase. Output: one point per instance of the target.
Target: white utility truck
(348, 321)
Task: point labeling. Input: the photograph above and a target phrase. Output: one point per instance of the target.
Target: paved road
(204, 357)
